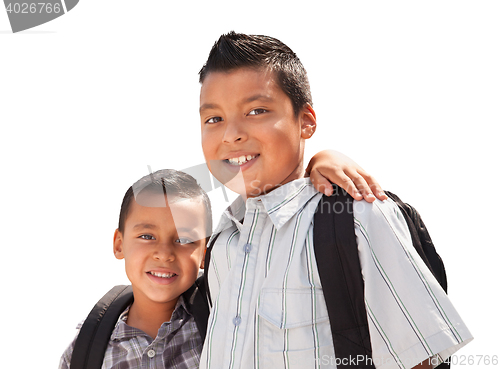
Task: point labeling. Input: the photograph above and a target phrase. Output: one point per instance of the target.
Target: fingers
(357, 187)
(359, 184)
(321, 184)
(368, 186)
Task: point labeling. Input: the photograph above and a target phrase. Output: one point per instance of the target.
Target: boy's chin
(234, 178)
(248, 188)
(245, 190)
(229, 176)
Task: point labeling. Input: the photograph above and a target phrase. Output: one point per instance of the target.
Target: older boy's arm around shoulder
(411, 319)
(330, 166)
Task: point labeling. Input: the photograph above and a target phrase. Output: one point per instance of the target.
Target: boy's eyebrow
(208, 106)
(145, 225)
(259, 97)
(194, 234)
(250, 99)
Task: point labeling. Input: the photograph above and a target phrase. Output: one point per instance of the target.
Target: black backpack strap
(422, 241)
(197, 302)
(208, 253)
(92, 341)
(339, 270)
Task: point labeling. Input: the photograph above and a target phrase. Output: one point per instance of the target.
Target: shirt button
(237, 320)
(151, 353)
(247, 248)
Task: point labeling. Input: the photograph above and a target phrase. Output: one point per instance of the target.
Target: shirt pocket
(293, 326)
(287, 308)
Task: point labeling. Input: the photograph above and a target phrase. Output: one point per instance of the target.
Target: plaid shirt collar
(124, 331)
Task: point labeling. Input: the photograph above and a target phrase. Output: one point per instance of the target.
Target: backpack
(338, 265)
(92, 341)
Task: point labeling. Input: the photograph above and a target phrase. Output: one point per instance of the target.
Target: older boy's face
(163, 247)
(249, 130)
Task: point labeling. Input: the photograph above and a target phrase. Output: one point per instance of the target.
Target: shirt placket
(153, 355)
(244, 270)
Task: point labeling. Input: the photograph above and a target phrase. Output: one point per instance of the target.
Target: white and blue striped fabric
(269, 310)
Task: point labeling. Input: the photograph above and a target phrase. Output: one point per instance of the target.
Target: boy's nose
(164, 253)
(234, 132)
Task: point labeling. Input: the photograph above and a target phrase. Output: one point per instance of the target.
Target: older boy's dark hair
(238, 50)
(166, 181)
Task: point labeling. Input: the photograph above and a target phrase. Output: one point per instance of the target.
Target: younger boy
(269, 310)
(165, 219)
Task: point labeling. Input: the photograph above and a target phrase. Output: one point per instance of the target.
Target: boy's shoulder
(377, 213)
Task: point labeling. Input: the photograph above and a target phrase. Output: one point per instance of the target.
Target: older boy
(164, 222)
(269, 310)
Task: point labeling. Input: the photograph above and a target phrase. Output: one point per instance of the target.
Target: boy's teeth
(241, 160)
(163, 275)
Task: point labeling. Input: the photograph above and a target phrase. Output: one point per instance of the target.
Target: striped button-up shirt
(269, 310)
(177, 345)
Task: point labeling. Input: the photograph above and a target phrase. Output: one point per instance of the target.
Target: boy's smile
(250, 132)
(163, 247)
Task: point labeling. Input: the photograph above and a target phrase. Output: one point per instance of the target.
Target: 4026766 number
(32, 8)
(470, 360)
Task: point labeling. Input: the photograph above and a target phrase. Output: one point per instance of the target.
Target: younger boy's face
(250, 132)
(163, 247)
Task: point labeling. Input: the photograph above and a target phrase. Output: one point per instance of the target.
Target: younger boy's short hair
(238, 50)
(169, 182)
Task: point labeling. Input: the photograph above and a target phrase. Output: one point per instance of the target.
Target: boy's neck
(148, 317)
(297, 173)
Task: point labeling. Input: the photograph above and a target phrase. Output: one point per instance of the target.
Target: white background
(87, 101)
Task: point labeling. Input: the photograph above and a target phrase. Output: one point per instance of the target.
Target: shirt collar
(124, 331)
(234, 213)
(280, 204)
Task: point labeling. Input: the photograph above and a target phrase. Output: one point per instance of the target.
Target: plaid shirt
(177, 345)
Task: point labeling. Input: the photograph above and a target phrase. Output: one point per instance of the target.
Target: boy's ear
(117, 245)
(308, 121)
(202, 264)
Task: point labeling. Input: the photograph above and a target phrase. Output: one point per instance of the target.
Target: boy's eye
(184, 241)
(214, 120)
(147, 237)
(257, 111)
